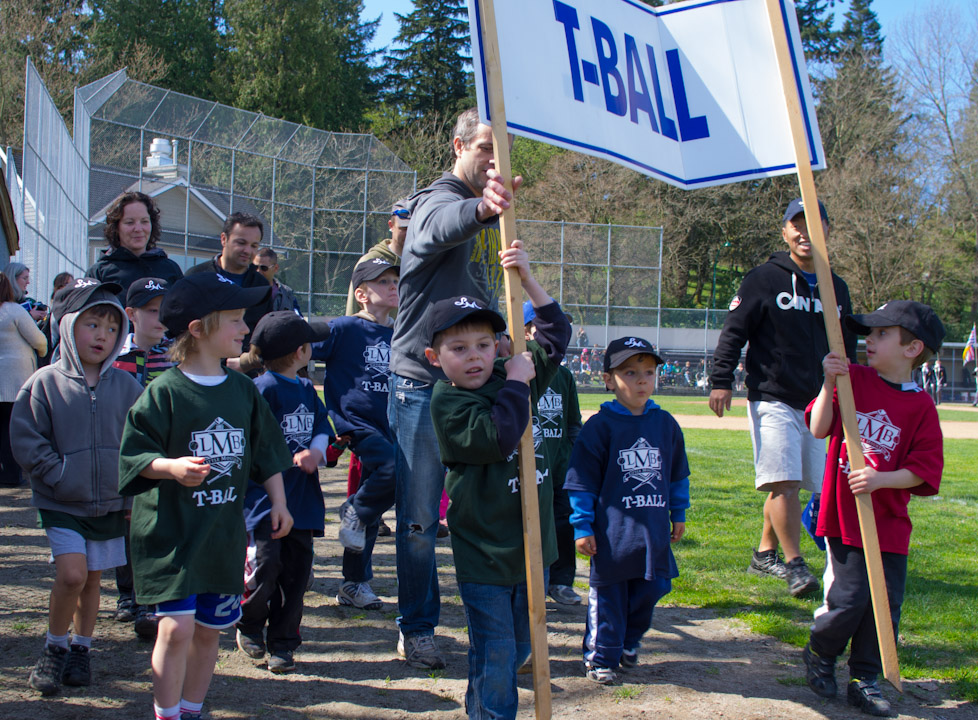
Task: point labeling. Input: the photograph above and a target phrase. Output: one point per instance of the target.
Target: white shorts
(784, 449)
(99, 554)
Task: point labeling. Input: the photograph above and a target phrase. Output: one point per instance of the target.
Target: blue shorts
(209, 609)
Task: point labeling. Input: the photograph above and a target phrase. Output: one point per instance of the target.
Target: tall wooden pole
(833, 328)
(532, 549)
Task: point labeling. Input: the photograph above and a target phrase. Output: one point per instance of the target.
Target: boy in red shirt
(902, 442)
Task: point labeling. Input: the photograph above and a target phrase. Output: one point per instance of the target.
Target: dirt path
(695, 665)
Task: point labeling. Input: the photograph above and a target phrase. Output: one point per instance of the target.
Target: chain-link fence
(324, 197)
(50, 198)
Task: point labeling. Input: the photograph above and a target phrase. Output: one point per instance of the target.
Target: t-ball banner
(687, 93)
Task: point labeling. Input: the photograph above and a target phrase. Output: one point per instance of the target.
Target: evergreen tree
(861, 31)
(815, 21)
(427, 74)
(182, 34)
(301, 60)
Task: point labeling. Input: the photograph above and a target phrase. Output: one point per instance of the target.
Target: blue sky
(889, 12)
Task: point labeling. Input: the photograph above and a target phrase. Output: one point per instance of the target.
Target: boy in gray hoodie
(65, 430)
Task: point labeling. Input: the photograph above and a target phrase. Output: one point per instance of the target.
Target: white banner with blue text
(688, 93)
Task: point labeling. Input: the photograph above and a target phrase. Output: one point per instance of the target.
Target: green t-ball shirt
(190, 540)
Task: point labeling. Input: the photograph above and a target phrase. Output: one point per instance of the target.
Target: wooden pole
(833, 328)
(532, 550)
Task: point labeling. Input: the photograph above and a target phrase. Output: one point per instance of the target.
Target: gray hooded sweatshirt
(447, 253)
(66, 435)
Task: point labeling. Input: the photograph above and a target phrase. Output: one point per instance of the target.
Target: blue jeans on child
(618, 616)
(420, 482)
(499, 642)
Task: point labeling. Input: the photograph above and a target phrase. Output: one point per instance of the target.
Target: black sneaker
(800, 579)
(78, 668)
(281, 662)
(768, 562)
(146, 622)
(820, 673)
(46, 675)
(252, 646)
(125, 609)
(866, 695)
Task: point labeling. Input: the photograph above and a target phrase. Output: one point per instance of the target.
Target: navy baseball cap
(194, 296)
(623, 348)
(282, 332)
(797, 207)
(451, 311)
(145, 289)
(80, 294)
(371, 270)
(915, 317)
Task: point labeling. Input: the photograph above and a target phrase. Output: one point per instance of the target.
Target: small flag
(971, 347)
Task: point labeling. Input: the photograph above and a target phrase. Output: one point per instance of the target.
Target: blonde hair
(186, 344)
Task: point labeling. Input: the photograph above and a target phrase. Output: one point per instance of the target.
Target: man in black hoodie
(778, 312)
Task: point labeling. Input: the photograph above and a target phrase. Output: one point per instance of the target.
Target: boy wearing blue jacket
(277, 569)
(628, 483)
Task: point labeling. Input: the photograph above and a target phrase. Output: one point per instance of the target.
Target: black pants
(564, 569)
(274, 591)
(847, 613)
(9, 469)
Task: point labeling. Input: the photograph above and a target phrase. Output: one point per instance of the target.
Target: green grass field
(939, 625)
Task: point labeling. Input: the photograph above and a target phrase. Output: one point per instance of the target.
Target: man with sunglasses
(389, 249)
(283, 297)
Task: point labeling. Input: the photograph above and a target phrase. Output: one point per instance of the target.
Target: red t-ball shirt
(899, 430)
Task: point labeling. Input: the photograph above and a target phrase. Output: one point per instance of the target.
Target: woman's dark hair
(6, 292)
(60, 280)
(114, 216)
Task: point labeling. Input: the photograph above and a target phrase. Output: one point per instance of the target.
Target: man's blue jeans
(499, 642)
(420, 482)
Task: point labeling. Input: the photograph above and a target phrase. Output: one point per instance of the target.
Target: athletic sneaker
(383, 530)
(866, 695)
(629, 658)
(443, 531)
(125, 609)
(800, 578)
(146, 622)
(820, 673)
(251, 646)
(563, 594)
(46, 675)
(353, 535)
(190, 716)
(600, 675)
(420, 651)
(281, 661)
(78, 668)
(359, 595)
(768, 562)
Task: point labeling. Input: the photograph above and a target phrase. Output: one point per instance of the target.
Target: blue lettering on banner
(628, 97)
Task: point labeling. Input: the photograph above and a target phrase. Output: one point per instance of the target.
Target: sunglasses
(402, 213)
(265, 268)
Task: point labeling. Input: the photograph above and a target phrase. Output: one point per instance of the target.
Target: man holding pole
(452, 249)
(778, 312)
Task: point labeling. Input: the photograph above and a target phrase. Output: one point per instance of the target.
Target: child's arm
(30, 432)
(582, 519)
(280, 516)
(869, 479)
(822, 413)
(188, 471)
(516, 257)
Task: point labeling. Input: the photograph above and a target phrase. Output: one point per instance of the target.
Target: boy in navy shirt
(277, 569)
(356, 387)
(479, 416)
(628, 483)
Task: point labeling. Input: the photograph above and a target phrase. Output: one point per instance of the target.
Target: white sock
(60, 641)
(170, 713)
(85, 642)
(190, 707)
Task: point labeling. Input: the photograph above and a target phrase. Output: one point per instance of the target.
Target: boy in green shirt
(479, 416)
(191, 443)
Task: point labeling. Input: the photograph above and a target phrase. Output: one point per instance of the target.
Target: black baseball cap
(371, 270)
(915, 317)
(282, 332)
(451, 311)
(80, 294)
(623, 348)
(194, 296)
(145, 289)
(796, 207)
